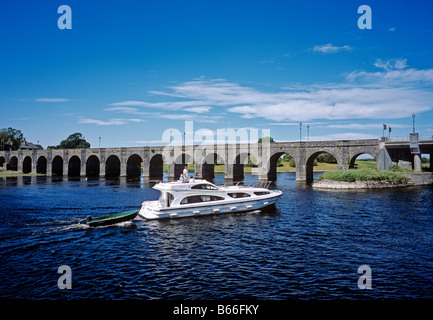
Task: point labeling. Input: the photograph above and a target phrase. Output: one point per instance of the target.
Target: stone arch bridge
(150, 161)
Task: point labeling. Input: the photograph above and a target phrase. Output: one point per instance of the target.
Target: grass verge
(364, 175)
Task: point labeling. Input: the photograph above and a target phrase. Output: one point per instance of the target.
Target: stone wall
(420, 178)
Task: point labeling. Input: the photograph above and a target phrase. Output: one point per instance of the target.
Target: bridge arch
(239, 164)
(156, 166)
(208, 165)
(354, 157)
(2, 161)
(27, 164)
(74, 166)
(309, 166)
(133, 165)
(273, 162)
(57, 166)
(112, 166)
(13, 164)
(41, 165)
(93, 166)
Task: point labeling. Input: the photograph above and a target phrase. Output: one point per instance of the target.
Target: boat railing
(251, 184)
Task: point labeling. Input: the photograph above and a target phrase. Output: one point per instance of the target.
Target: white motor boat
(199, 198)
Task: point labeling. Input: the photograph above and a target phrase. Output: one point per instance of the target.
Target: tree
(326, 157)
(74, 141)
(10, 139)
(265, 139)
(292, 163)
(280, 162)
(251, 162)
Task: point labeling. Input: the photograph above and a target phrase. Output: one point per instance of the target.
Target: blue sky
(128, 70)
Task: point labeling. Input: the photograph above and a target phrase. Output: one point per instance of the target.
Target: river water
(309, 246)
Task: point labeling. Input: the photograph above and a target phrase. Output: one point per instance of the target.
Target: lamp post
(308, 132)
(413, 122)
(300, 131)
(99, 142)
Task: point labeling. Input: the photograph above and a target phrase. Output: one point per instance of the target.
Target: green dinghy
(111, 218)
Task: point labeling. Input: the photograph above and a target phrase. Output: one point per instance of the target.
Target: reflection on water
(308, 247)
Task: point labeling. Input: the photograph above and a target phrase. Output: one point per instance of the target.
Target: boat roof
(178, 185)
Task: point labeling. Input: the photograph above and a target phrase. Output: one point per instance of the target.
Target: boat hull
(112, 219)
(149, 210)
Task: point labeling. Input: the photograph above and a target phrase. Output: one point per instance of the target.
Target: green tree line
(10, 139)
(74, 141)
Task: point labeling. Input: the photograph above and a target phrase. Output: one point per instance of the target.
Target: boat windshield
(204, 186)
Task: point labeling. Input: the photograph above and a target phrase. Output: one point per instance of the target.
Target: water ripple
(309, 247)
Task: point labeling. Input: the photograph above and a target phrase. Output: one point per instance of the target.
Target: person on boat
(183, 178)
(185, 171)
(191, 179)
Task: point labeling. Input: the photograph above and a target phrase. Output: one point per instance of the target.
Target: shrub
(348, 176)
(396, 168)
(292, 163)
(326, 158)
(364, 175)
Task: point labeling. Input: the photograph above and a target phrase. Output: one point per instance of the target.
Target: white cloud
(111, 122)
(51, 100)
(202, 109)
(284, 124)
(391, 64)
(129, 110)
(188, 116)
(130, 103)
(346, 101)
(392, 93)
(173, 105)
(365, 126)
(193, 113)
(399, 77)
(330, 48)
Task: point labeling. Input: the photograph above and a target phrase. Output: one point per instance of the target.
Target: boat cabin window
(198, 198)
(204, 186)
(239, 195)
(261, 193)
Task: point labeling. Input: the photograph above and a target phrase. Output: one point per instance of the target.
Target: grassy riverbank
(4, 173)
(364, 175)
